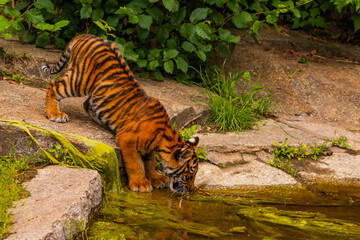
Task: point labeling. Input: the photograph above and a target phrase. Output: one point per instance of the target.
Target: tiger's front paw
(160, 181)
(59, 117)
(140, 185)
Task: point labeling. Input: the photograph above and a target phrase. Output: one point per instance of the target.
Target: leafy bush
(161, 36)
(233, 106)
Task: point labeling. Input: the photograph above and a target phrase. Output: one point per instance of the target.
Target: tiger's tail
(60, 64)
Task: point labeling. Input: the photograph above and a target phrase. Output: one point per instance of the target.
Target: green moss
(101, 158)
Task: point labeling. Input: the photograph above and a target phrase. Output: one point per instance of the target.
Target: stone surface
(60, 203)
(239, 159)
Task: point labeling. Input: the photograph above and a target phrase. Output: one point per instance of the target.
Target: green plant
(340, 142)
(11, 168)
(181, 33)
(291, 75)
(17, 78)
(62, 155)
(186, 134)
(233, 106)
(284, 153)
(73, 226)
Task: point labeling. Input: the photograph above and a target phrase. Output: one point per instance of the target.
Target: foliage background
(166, 37)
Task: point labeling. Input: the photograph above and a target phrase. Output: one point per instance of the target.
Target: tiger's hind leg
(133, 163)
(157, 180)
(88, 108)
(55, 92)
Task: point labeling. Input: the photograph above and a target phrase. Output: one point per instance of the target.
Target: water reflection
(313, 212)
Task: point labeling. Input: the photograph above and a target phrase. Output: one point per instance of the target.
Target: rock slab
(61, 201)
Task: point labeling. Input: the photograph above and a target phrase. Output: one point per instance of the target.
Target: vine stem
(28, 8)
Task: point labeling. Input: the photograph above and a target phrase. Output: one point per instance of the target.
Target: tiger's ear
(183, 154)
(193, 142)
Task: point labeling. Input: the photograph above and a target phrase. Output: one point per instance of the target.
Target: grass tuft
(236, 102)
(10, 188)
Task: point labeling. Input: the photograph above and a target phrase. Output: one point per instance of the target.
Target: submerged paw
(160, 181)
(143, 185)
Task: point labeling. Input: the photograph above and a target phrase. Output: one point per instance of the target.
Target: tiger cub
(117, 101)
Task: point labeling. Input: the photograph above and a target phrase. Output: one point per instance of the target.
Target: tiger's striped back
(117, 101)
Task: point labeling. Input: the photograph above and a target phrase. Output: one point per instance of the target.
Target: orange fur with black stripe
(116, 101)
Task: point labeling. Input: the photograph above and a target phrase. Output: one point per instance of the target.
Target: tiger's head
(182, 179)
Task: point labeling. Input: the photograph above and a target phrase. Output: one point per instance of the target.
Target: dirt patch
(309, 78)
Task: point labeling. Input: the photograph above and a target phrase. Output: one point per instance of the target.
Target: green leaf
(204, 48)
(130, 54)
(296, 12)
(143, 34)
(124, 10)
(234, 6)
(201, 55)
(320, 22)
(171, 43)
(154, 54)
(233, 39)
(100, 25)
(171, 5)
(42, 40)
(34, 16)
(172, 53)
(162, 34)
(133, 19)
(169, 66)
(256, 6)
(152, 65)
(272, 18)
(178, 16)
(217, 17)
(203, 30)
(111, 6)
(12, 11)
(4, 23)
(31, 37)
(45, 27)
(356, 19)
(113, 20)
(198, 14)
(158, 76)
(118, 41)
(97, 14)
(60, 43)
(7, 36)
(224, 34)
(47, 4)
(2, 2)
(187, 29)
(61, 24)
(141, 63)
(156, 14)
(224, 51)
(145, 21)
(143, 4)
(241, 20)
(257, 26)
(188, 46)
(85, 11)
(182, 64)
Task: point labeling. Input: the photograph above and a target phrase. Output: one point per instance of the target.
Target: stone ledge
(60, 203)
